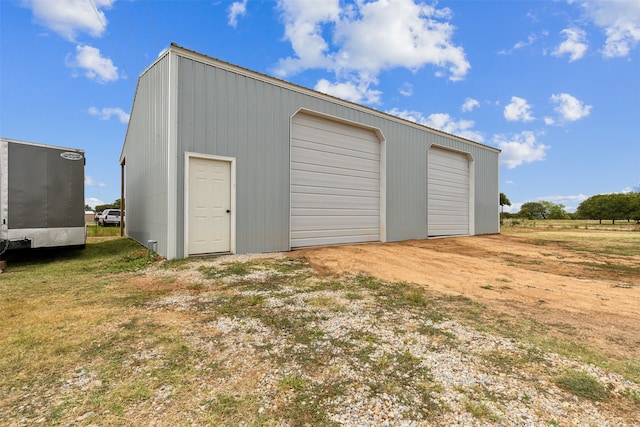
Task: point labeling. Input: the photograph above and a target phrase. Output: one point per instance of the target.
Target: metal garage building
(218, 158)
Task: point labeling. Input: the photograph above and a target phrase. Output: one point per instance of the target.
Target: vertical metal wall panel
(227, 111)
(487, 193)
(406, 182)
(240, 119)
(146, 156)
(249, 119)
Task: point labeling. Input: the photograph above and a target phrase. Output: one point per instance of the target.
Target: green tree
(634, 209)
(616, 207)
(504, 201)
(533, 210)
(114, 205)
(631, 206)
(610, 206)
(592, 208)
(543, 210)
(557, 211)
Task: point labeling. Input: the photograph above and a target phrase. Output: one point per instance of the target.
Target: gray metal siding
(146, 156)
(487, 192)
(229, 114)
(226, 114)
(219, 111)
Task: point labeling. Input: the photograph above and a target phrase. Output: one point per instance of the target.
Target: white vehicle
(109, 217)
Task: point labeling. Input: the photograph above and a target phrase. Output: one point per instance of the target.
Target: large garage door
(335, 182)
(448, 188)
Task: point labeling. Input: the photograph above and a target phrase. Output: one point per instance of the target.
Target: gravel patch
(363, 362)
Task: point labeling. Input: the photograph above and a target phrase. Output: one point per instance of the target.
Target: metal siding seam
(472, 195)
(172, 149)
(383, 187)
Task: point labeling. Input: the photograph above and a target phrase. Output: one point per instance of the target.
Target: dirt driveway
(583, 295)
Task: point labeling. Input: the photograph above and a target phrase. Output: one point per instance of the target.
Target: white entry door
(209, 206)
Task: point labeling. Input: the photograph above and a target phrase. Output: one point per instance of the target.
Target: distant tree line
(618, 206)
(622, 206)
(100, 208)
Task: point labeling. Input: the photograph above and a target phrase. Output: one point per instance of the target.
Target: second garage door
(448, 193)
(335, 182)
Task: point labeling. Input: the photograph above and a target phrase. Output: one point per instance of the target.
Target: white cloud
(530, 40)
(303, 28)
(357, 41)
(514, 208)
(106, 113)
(549, 121)
(71, 17)
(359, 92)
(519, 45)
(443, 122)
(569, 107)
(574, 45)
(237, 9)
(93, 202)
(632, 189)
(400, 33)
(565, 199)
(96, 67)
(518, 110)
(90, 182)
(406, 89)
(620, 20)
(470, 104)
(520, 148)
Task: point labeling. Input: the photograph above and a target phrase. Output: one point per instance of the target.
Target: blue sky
(554, 84)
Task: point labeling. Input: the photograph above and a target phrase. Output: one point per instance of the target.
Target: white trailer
(41, 196)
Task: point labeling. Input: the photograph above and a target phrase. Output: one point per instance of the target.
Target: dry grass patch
(110, 336)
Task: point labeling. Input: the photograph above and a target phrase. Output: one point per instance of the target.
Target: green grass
(569, 224)
(235, 305)
(55, 305)
(80, 334)
(528, 330)
(228, 269)
(514, 362)
(95, 230)
(293, 382)
(481, 411)
(582, 385)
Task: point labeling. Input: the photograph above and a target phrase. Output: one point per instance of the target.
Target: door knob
(228, 210)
